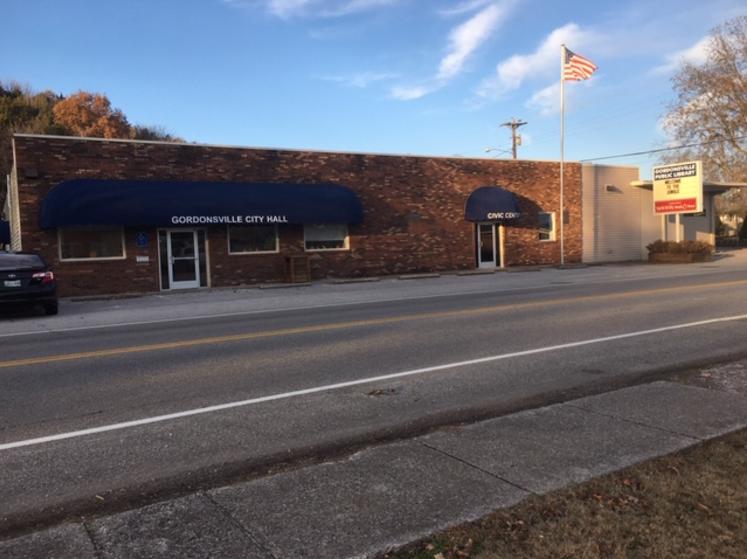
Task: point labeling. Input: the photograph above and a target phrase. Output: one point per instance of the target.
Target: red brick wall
(413, 208)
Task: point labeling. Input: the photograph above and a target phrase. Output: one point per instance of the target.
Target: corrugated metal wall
(695, 227)
(618, 221)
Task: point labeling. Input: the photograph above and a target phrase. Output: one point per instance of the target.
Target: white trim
(610, 165)
(16, 230)
(343, 249)
(292, 150)
(94, 258)
(346, 248)
(196, 259)
(487, 264)
(502, 244)
(208, 279)
(158, 250)
(253, 252)
(553, 232)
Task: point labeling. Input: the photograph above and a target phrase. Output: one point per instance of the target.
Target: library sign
(678, 188)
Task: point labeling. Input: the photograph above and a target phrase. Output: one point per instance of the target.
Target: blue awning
(491, 203)
(4, 232)
(85, 202)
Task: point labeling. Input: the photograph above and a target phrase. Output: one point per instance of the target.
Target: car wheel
(50, 309)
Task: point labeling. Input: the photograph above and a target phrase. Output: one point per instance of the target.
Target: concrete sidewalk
(396, 493)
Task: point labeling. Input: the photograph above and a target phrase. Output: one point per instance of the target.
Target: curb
(152, 491)
(283, 285)
(342, 281)
(418, 276)
(478, 272)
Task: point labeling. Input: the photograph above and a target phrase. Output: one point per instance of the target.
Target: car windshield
(20, 261)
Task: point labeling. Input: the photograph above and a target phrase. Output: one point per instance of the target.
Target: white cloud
(409, 93)
(361, 80)
(467, 37)
(288, 9)
(464, 7)
(355, 6)
(512, 72)
(546, 100)
(464, 40)
(696, 54)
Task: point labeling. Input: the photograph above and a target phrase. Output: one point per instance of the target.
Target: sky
(427, 77)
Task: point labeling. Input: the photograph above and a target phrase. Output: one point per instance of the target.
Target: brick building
(116, 216)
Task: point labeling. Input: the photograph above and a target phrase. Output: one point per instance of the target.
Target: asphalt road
(250, 391)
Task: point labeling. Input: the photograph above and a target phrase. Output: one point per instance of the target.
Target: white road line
(337, 386)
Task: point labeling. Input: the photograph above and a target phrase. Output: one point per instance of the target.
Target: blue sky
(432, 77)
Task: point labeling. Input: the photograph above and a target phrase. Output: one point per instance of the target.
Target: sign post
(678, 189)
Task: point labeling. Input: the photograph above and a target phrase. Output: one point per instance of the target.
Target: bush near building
(743, 229)
(682, 251)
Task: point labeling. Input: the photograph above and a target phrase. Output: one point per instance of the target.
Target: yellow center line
(351, 324)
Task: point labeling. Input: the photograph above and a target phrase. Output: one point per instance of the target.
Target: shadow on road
(15, 312)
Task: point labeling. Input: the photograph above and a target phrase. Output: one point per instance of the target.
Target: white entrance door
(486, 245)
(184, 260)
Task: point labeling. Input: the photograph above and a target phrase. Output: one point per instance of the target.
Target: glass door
(486, 245)
(184, 261)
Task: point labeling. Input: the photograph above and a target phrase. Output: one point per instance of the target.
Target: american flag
(576, 67)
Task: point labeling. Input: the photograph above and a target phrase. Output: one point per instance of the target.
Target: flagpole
(562, 148)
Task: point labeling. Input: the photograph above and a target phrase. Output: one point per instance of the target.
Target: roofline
(648, 182)
(583, 164)
(264, 148)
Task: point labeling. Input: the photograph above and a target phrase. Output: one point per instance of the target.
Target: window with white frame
(326, 237)
(252, 239)
(91, 243)
(546, 223)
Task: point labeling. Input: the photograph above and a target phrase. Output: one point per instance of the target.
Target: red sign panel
(683, 205)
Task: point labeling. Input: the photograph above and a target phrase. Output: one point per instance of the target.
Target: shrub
(682, 247)
(720, 227)
(743, 229)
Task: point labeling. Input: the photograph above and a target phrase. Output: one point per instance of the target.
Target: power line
(661, 149)
(585, 128)
(636, 98)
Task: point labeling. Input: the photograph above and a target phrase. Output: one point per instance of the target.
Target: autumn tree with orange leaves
(91, 115)
(23, 110)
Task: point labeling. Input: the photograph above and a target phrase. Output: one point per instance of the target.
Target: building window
(325, 237)
(252, 239)
(91, 243)
(546, 226)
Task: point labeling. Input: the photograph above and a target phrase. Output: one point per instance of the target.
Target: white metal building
(619, 220)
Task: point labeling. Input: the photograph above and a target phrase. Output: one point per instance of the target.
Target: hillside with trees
(86, 114)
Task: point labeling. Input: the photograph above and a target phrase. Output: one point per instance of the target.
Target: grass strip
(685, 505)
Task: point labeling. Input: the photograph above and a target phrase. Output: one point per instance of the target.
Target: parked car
(25, 279)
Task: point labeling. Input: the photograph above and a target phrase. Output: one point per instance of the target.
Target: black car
(25, 279)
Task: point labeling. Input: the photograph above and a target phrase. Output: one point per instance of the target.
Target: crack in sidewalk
(478, 468)
(638, 423)
(260, 542)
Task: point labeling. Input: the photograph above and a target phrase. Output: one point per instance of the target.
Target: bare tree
(711, 108)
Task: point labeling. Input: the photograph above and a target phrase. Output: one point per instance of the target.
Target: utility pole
(514, 124)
